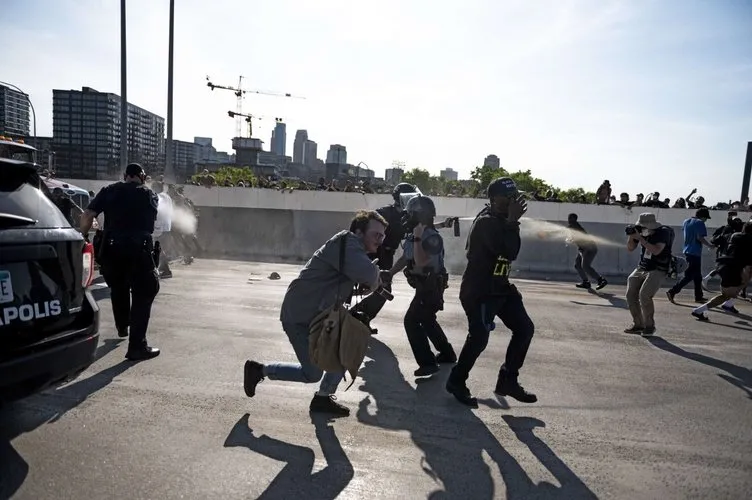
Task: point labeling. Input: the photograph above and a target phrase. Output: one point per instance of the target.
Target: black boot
(461, 393)
(507, 385)
(328, 404)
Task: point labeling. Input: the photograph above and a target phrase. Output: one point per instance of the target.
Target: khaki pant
(641, 288)
(729, 292)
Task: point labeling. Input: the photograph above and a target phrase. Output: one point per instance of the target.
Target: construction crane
(249, 120)
(240, 92)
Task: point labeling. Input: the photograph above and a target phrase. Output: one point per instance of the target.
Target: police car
(49, 321)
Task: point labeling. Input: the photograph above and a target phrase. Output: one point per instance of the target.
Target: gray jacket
(315, 288)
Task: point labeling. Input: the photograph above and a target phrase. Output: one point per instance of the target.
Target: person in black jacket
(587, 250)
(734, 268)
(720, 239)
(492, 245)
(126, 256)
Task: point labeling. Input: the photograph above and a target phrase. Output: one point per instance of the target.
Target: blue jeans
(305, 371)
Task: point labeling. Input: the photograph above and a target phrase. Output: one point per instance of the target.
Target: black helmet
(402, 187)
(419, 210)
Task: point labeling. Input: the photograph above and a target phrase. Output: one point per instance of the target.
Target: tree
(233, 174)
(576, 195)
(419, 177)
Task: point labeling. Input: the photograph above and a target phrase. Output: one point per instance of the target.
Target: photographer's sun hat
(647, 220)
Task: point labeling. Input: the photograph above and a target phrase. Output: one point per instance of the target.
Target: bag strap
(341, 267)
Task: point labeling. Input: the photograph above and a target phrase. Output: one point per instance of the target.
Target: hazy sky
(652, 95)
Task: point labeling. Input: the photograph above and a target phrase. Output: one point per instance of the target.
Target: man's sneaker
(585, 284)
(701, 300)
(425, 371)
(511, 387)
(648, 331)
(461, 393)
(601, 283)
(253, 373)
(122, 332)
(730, 309)
(443, 357)
(702, 316)
(328, 404)
(634, 329)
(670, 295)
(141, 353)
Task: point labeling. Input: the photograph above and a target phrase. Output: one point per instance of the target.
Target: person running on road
(695, 236)
(586, 252)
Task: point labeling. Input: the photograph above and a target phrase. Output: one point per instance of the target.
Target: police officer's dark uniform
(126, 256)
(394, 234)
(429, 282)
(492, 245)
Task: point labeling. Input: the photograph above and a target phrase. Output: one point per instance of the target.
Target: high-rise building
(86, 135)
(448, 174)
(310, 153)
(14, 113)
(337, 154)
(492, 161)
(279, 139)
(393, 175)
(298, 147)
(183, 159)
(45, 151)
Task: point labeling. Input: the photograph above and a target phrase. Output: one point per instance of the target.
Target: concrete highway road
(618, 416)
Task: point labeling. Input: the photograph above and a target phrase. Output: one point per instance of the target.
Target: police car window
(20, 198)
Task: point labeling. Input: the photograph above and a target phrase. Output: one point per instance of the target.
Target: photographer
(655, 241)
(695, 236)
(316, 289)
(425, 272)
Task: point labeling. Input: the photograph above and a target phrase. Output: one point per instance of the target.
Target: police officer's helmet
(402, 187)
(421, 209)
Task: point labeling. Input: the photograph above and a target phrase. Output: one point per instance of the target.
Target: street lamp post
(168, 173)
(123, 92)
(33, 113)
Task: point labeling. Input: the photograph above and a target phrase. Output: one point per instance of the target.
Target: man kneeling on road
(316, 289)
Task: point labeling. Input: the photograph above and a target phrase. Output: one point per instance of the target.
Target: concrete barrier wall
(269, 224)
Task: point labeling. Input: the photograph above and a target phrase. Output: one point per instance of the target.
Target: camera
(633, 229)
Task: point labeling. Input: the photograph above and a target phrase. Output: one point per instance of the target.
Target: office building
(298, 147)
(183, 159)
(45, 151)
(393, 175)
(448, 174)
(492, 161)
(279, 139)
(14, 113)
(86, 135)
(337, 154)
(310, 153)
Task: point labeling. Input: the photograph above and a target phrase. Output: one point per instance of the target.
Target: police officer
(395, 233)
(492, 245)
(425, 272)
(126, 256)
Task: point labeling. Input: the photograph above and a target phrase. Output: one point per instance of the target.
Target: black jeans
(693, 273)
(480, 314)
(134, 284)
(583, 264)
(421, 326)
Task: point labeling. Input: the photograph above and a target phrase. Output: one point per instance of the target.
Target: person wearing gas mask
(695, 236)
(372, 304)
(126, 255)
(425, 272)
(492, 245)
(730, 265)
(655, 241)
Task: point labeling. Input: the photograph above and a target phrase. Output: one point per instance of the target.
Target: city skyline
(651, 95)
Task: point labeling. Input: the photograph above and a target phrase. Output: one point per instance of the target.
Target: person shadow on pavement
(297, 479)
(613, 299)
(453, 438)
(28, 414)
(737, 375)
